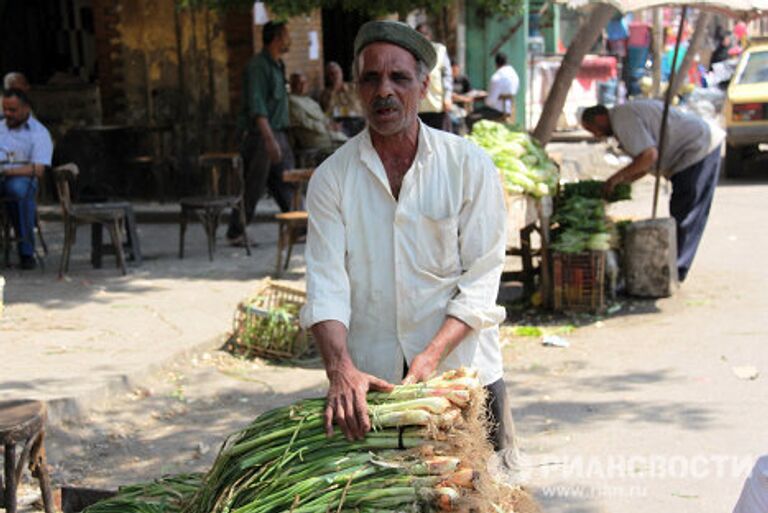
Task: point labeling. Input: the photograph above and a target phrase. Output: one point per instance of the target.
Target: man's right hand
(273, 151)
(346, 403)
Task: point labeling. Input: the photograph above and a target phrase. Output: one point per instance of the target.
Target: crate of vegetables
(579, 281)
(267, 324)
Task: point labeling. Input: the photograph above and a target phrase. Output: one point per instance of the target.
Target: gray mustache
(385, 103)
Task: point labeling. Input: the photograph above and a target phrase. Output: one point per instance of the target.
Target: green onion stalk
(284, 462)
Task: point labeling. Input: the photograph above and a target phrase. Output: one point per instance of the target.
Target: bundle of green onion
(164, 495)
(411, 459)
(427, 451)
(524, 165)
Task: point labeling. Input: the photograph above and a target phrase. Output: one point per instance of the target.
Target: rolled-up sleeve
(482, 245)
(328, 290)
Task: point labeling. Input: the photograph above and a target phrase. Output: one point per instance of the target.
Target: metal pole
(665, 114)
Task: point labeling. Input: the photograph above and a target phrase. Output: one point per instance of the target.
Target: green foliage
(594, 189)
(288, 8)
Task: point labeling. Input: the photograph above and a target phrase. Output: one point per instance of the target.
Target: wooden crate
(579, 281)
(252, 335)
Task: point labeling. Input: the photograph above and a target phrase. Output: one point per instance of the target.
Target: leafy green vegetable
(594, 189)
(523, 164)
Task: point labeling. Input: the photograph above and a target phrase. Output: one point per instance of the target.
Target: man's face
(334, 73)
(600, 127)
(15, 111)
(299, 85)
(285, 40)
(389, 87)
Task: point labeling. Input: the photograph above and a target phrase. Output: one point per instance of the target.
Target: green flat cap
(399, 34)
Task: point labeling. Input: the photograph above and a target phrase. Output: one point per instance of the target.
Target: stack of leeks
(416, 458)
(427, 451)
(164, 495)
(524, 165)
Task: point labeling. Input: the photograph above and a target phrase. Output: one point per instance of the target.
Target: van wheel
(734, 161)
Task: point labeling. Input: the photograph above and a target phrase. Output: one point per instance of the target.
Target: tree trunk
(584, 40)
(697, 40)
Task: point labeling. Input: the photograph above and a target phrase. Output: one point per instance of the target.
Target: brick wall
(297, 59)
(109, 58)
(238, 31)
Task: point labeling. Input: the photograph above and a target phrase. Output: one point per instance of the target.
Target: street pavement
(656, 408)
(74, 342)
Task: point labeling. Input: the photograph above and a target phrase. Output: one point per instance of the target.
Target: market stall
(530, 178)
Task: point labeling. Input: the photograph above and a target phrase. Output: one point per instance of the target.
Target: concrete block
(650, 258)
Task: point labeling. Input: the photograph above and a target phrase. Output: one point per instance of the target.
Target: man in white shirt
(500, 102)
(691, 161)
(504, 82)
(405, 246)
(435, 108)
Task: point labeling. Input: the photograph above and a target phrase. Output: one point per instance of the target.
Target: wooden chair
(155, 160)
(291, 229)
(111, 215)
(225, 190)
(23, 422)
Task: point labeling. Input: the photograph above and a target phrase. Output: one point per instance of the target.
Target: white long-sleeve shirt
(392, 270)
(503, 81)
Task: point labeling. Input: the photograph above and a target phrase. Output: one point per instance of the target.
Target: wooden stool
(24, 422)
(289, 231)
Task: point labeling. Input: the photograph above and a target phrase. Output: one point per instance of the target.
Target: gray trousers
(262, 174)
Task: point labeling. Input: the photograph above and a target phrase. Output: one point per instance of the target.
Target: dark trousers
(692, 191)
(439, 120)
(21, 192)
(501, 430)
(261, 174)
(484, 112)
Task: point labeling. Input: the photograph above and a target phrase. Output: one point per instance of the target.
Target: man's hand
(422, 367)
(346, 403)
(450, 335)
(270, 143)
(273, 151)
(608, 188)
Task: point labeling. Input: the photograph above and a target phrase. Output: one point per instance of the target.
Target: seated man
(310, 128)
(499, 104)
(14, 80)
(26, 148)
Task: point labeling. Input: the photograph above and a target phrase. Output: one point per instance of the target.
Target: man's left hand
(422, 368)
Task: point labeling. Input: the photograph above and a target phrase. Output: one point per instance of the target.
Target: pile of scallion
(427, 451)
(164, 495)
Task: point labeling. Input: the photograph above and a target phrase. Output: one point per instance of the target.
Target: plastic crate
(267, 324)
(579, 281)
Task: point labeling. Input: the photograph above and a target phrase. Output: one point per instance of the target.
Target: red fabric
(595, 67)
(639, 34)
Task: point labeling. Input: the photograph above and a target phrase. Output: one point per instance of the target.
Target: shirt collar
(371, 159)
(26, 125)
